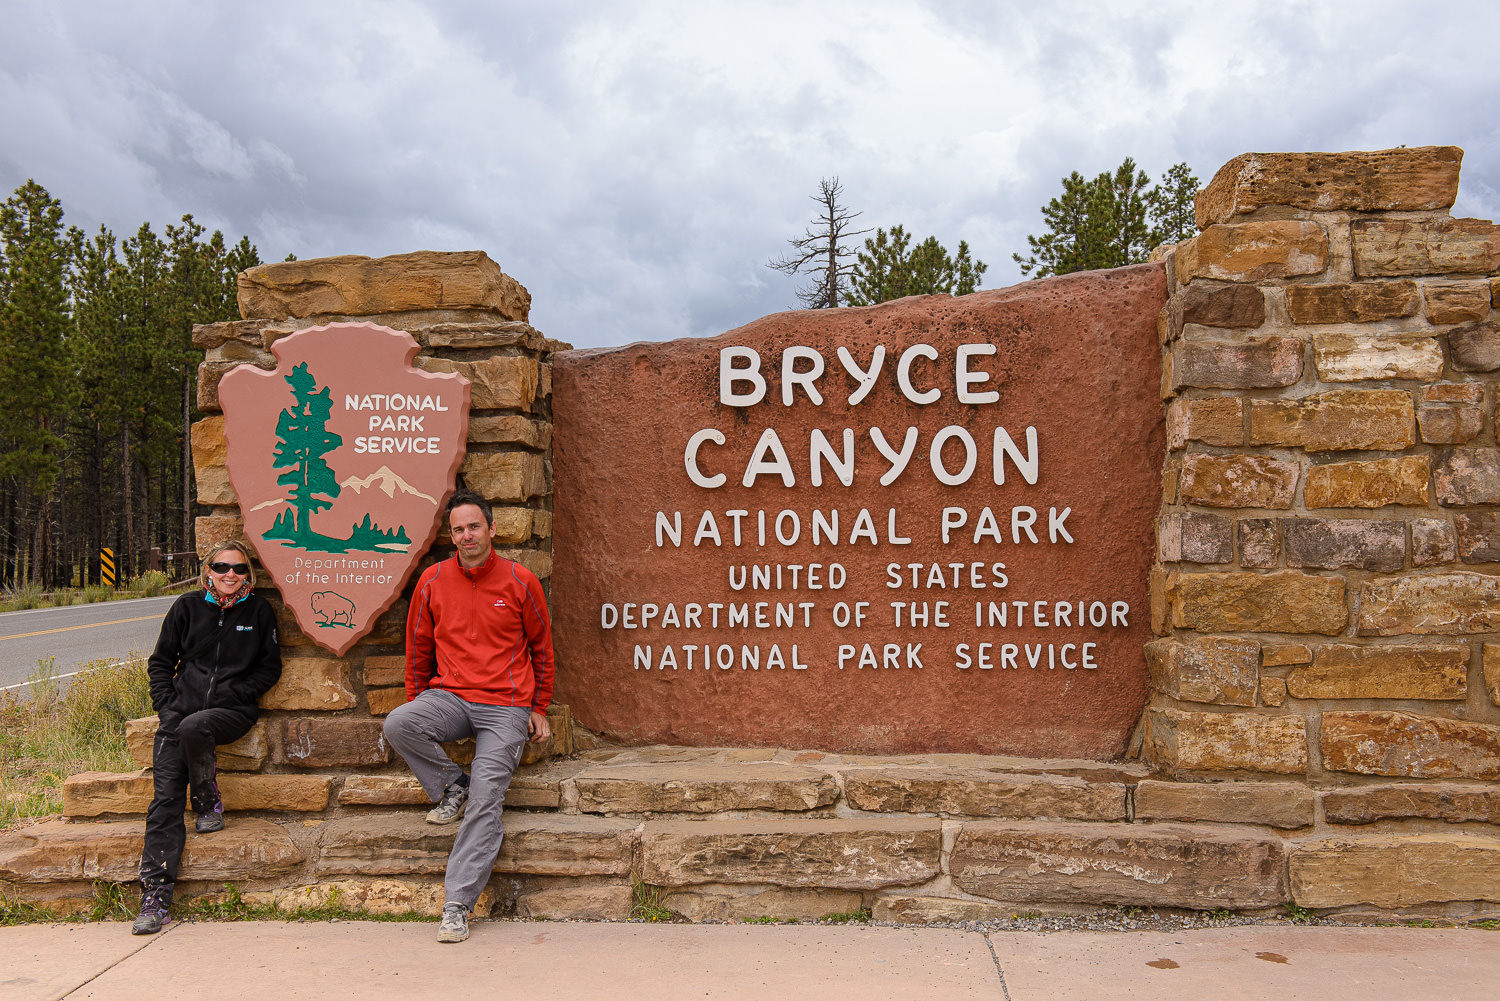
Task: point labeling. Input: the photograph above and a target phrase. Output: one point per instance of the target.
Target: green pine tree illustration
(303, 439)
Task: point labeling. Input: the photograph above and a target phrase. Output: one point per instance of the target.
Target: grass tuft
(647, 902)
(1300, 915)
(20, 912)
(48, 733)
(151, 584)
(845, 917)
(111, 902)
(20, 597)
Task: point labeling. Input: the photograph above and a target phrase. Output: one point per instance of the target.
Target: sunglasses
(220, 567)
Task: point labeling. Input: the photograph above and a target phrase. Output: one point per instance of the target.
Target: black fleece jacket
(233, 672)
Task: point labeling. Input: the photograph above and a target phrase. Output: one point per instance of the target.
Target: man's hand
(540, 728)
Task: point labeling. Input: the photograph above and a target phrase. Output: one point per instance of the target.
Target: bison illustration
(333, 609)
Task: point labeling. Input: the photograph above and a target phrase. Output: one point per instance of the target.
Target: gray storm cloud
(636, 165)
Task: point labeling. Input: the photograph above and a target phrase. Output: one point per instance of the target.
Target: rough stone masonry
(1326, 595)
(1323, 725)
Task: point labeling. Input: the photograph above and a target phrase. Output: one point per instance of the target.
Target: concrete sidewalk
(634, 962)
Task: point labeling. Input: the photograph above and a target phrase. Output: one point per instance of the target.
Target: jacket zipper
(214, 674)
(474, 608)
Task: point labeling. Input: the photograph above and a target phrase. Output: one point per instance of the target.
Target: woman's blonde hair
(224, 547)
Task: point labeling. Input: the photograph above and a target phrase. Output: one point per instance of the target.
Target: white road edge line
(59, 677)
(86, 604)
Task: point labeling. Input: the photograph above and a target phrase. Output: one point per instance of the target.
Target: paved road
(76, 635)
(634, 962)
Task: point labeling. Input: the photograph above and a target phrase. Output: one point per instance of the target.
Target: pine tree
(34, 369)
(887, 269)
(303, 440)
(1171, 203)
(99, 343)
(114, 440)
(1103, 223)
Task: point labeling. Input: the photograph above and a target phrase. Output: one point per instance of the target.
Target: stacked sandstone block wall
(467, 316)
(318, 745)
(1323, 728)
(1328, 590)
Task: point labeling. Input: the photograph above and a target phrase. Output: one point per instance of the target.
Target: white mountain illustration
(387, 481)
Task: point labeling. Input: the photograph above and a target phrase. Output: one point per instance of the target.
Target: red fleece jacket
(482, 634)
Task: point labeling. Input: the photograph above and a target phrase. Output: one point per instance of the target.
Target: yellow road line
(91, 625)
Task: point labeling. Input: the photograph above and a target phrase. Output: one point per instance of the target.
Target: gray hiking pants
(416, 730)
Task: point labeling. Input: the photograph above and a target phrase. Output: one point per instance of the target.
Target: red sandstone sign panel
(341, 458)
(920, 526)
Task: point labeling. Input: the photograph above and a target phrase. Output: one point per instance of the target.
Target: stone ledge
(1395, 871)
(593, 902)
(921, 910)
(854, 854)
(58, 851)
(95, 794)
(1275, 804)
(363, 286)
(532, 787)
(1450, 801)
(746, 903)
(975, 792)
(698, 788)
(1151, 865)
(1407, 180)
(384, 844)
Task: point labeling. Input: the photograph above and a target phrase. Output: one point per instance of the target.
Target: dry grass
(151, 584)
(48, 732)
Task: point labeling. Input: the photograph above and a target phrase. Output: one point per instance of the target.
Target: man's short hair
(465, 496)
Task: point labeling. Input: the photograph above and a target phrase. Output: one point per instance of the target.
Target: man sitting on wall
(478, 664)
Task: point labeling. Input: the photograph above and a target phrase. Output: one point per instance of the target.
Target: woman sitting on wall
(217, 654)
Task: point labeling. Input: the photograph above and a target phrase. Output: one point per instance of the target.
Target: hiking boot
(212, 821)
(155, 912)
(206, 798)
(449, 808)
(455, 924)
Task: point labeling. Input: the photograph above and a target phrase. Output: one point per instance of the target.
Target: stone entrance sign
(925, 525)
(341, 458)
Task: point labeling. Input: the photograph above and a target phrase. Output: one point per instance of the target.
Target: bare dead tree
(825, 251)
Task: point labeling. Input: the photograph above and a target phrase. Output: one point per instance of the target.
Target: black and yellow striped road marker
(107, 566)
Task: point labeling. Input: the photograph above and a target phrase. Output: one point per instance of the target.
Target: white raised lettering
(690, 458)
(866, 378)
(730, 373)
(807, 380)
(965, 378)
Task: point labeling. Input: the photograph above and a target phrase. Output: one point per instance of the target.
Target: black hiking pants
(182, 757)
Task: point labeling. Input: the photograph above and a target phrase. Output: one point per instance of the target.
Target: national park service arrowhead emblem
(341, 459)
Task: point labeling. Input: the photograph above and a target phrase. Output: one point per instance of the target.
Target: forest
(98, 388)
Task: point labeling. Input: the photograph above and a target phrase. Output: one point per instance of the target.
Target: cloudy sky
(635, 165)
